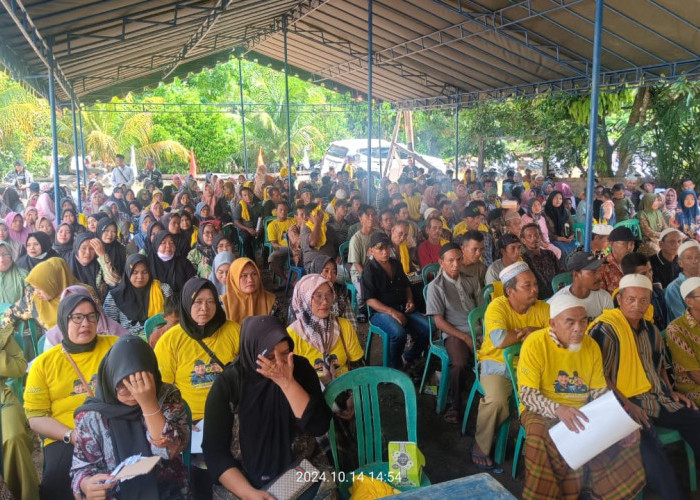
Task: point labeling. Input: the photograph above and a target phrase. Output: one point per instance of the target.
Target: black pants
(247, 242)
(55, 483)
(661, 476)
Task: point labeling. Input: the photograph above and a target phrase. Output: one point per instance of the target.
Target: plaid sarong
(615, 473)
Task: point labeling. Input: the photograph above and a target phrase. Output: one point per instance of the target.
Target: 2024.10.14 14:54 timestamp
(341, 476)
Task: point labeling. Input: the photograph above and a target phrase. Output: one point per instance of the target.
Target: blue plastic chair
(561, 280)
(375, 330)
(437, 348)
(343, 250)
(433, 269)
(363, 382)
(509, 354)
(297, 271)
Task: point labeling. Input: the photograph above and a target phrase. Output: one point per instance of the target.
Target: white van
(354, 152)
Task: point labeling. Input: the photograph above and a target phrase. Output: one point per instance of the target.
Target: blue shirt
(674, 301)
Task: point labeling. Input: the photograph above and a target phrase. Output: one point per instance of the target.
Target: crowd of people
(245, 361)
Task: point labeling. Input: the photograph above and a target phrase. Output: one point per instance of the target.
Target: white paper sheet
(608, 423)
(196, 437)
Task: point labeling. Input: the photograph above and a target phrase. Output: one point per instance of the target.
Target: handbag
(292, 483)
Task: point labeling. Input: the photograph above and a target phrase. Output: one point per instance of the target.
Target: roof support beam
(198, 35)
(483, 22)
(26, 26)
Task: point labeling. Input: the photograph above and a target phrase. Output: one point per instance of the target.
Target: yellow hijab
(52, 277)
(405, 257)
(239, 305)
(635, 382)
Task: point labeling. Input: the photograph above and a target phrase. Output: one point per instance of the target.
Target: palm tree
(21, 112)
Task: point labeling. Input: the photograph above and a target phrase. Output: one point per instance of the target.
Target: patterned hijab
(322, 334)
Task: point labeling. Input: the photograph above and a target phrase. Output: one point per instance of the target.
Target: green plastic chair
(375, 330)
(363, 382)
(561, 280)
(669, 436)
(152, 323)
(488, 290)
(437, 348)
(476, 316)
(579, 232)
(633, 225)
(343, 250)
(509, 354)
(433, 269)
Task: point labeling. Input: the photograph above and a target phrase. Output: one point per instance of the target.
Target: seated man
(638, 263)
(473, 220)
(508, 320)
(401, 250)
(599, 239)
(358, 255)
(316, 236)
(429, 250)
(388, 294)
(514, 223)
(585, 269)
(450, 297)
(246, 218)
(560, 369)
(689, 262)
(509, 247)
(622, 242)
(542, 262)
(276, 235)
(414, 233)
(387, 219)
(665, 263)
(472, 246)
(683, 339)
(337, 221)
(634, 363)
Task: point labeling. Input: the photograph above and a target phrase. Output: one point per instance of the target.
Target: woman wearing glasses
(58, 383)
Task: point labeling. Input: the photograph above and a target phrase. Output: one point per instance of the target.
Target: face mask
(165, 257)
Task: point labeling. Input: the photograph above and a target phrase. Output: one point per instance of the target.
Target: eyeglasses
(207, 303)
(322, 297)
(78, 318)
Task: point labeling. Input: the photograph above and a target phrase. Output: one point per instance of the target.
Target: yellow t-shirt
(53, 385)
(354, 349)
(276, 230)
(413, 204)
(460, 228)
(500, 316)
(563, 376)
(184, 363)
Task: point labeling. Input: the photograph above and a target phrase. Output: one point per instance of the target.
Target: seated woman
(219, 271)
(107, 232)
(90, 263)
(133, 412)
(560, 223)
(15, 224)
(651, 223)
(192, 354)
(245, 295)
(65, 238)
(105, 324)
(58, 383)
(328, 342)
(16, 247)
(153, 229)
(222, 243)
(166, 266)
(30, 218)
(278, 401)
(39, 249)
(187, 228)
(533, 214)
(328, 268)
(137, 297)
(141, 230)
(202, 255)
(69, 216)
(45, 225)
(171, 222)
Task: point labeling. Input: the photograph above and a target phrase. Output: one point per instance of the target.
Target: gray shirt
(309, 252)
(358, 251)
(596, 301)
(443, 299)
(493, 271)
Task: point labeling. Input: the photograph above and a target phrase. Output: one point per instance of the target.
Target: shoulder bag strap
(79, 373)
(211, 354)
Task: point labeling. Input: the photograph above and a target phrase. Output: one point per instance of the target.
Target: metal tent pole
(593, 128)
(77, 157)
(379, 134)
(82, 145)
(54, 134)
(369, 101)
(240, 86)
(286, 100)
(457, 141)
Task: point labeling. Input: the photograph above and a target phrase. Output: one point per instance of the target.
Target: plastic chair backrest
(363, 383)
(509, 355)
(152, 323)
(561, 280)
(431, 321)
(433, 269)
(33, 337)
(488, 291)
(579, 232)
(266, 222)
(343, 250)
(633, 225)
(476, 315)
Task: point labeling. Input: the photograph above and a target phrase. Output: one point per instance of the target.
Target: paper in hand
(607, 424)
(133, 466)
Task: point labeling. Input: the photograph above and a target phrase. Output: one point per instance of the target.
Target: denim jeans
(417, 326)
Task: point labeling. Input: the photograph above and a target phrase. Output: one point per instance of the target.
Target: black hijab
(65, 308)
(318, 263)
(86, 274)
(115, 250)
(132, 301)
(558, 215)
(183, 245)
(189, 294)
(75, 225)
(187, 233)
(27, 262)
(174, 272)
(217, 240)
(147, 243)
(63, 249)
(127, 356)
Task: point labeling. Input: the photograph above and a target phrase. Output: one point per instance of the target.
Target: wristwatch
(67, 436)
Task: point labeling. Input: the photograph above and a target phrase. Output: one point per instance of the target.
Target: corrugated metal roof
(425, 51)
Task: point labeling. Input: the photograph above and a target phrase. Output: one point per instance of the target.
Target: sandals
(481, 460)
